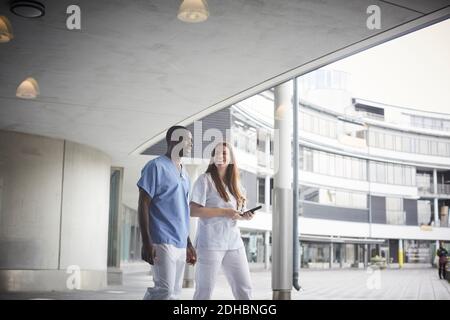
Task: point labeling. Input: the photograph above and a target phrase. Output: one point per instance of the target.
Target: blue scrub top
(169, 208)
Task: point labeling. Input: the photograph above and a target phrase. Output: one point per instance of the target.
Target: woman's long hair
(232, 179)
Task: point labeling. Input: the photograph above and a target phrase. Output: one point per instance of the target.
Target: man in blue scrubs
(163, 212)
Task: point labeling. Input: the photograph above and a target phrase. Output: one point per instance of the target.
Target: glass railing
(425, 189)
(443, 188)
(429, 189)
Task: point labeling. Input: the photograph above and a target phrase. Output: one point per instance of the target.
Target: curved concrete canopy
(134, 69)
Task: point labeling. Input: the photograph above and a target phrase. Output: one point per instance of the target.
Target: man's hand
(191, 255)
(148, 253)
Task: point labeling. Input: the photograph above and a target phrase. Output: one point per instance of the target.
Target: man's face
(187, 143)
(183, 147)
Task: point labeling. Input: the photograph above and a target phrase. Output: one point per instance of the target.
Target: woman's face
(222, 156)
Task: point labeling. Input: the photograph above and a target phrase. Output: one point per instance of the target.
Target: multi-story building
(374, 178)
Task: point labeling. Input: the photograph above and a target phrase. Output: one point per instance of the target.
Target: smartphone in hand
(251, 210)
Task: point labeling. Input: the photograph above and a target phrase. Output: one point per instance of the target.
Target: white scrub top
(217, 233)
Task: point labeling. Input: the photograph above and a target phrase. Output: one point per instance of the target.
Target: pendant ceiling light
(28, 89)
(193, 11)
(5, 30)
(27, 8)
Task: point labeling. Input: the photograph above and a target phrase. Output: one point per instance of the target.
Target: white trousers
(235, 267)
(168, 273)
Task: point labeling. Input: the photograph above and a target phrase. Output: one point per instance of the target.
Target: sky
(411, 71)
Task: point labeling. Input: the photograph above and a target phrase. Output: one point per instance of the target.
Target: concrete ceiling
(134, 69)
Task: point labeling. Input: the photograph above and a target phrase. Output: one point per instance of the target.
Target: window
(380, 173)
(316, 125)
(360, 200)
(388, 141)
(423, 146)
(406, 144)
(413, 175)
(414, 145)
(331, 164)
(324, 129)
(339, 166)
(398, 143)
(372, 137)
(441, 147)
(356, 170)
(398, 175)
(308, 193)
(394, 211)
(364, 169)
(434, 148)
(390, 173)
(332, 130)
(323, 163)
(446, 125)
(306, 122)
(348, 167)
(261, 190)
(343, 199)
(424, 211)
(308, 158)
(381, 140)
(261, 142)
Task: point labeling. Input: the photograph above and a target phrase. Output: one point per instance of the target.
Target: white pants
(168, 273)
(235, 268)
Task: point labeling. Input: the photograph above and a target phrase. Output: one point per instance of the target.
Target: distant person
(218, 200)
(442, 253)
(163, 212)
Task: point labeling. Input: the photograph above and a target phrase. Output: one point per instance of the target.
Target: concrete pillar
(282, 243)
(189, 272)
(400, 253)
(54, 214)
(436, 206)
(267, 193)
(267, 250)
(436, 212)
(331, 254)
(366, 255)
(115, 275)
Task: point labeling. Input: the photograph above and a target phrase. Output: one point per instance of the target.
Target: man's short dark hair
(170, 132)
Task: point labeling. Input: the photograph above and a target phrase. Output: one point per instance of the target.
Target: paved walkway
(323, 284)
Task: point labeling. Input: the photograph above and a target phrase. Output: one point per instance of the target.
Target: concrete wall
(85, 208)
(30, 205)
(54, 200)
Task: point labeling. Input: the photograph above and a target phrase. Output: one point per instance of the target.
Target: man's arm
(148, 251)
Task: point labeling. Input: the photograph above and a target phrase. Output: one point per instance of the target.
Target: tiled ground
(323, 284)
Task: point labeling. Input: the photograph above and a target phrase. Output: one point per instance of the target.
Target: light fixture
(193, 11)
(28, 89)
(5, 30)
(27, 8)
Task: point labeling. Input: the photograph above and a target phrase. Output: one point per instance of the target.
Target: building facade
(374, 178)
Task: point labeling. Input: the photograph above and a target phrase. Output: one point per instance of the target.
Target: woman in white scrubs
(218, 200)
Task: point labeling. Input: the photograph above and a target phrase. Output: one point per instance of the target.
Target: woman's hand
(231, 213)
(247, 216)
